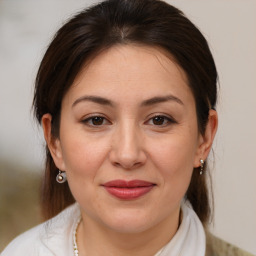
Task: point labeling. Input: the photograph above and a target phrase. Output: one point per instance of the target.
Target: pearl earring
(202, 166)
(61, 177)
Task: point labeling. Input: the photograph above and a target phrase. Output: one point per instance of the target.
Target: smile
(128, 190)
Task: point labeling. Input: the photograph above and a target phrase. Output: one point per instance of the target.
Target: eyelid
(169, 118)
(86, 119)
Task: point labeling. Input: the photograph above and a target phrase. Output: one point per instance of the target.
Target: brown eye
(97, 120)
(159, 120)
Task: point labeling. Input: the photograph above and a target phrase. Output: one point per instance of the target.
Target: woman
(126, 96)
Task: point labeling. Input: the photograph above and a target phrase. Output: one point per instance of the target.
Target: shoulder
(28, 243)
(53, 237)
(217, 247)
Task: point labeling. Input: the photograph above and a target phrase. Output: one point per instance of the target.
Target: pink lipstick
(128, 190)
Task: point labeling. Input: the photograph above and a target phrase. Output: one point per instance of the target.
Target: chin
(128, 222)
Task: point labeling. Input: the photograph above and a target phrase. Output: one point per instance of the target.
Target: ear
(53, 143)
(206, 139)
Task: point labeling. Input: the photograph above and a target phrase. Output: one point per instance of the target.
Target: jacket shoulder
(217, 247)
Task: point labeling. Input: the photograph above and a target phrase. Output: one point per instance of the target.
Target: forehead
(134, 70)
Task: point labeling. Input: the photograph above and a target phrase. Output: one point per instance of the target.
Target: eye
(161, 120)
(96, 121)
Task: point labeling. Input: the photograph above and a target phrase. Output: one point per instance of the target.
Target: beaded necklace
(75, 248)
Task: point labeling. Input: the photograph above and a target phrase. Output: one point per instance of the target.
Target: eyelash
(168, 120)
(89, 121)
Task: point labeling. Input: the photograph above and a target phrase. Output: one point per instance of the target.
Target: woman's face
(129, 139)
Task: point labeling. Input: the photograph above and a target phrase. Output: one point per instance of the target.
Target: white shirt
(55, 236)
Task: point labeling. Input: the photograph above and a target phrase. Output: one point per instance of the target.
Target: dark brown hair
(144, 22)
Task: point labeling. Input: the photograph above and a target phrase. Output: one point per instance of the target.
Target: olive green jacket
(218, 247)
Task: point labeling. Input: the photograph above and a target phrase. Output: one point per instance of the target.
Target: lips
(128, 190)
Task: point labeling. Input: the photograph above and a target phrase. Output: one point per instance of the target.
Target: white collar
(190, 239)
(57, 232)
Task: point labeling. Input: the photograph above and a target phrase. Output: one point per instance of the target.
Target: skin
(127, 142)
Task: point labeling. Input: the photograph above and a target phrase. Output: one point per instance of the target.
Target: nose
(127, 147)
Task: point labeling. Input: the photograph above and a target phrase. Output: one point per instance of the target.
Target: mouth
(128, 190)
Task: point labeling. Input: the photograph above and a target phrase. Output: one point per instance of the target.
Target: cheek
(83, 156)
(174, 160)
(173, 154)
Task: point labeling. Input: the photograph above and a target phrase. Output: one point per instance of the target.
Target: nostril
(126, 157)
(127, 166)
(117, 164)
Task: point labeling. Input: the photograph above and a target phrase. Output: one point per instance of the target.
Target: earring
(201, 166)
(61, 177)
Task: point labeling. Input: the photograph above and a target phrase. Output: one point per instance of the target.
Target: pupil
(158, 120)
(97, 120)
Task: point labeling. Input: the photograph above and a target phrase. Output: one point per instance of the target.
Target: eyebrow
(95, 99)
(160, 99)
(148, 102)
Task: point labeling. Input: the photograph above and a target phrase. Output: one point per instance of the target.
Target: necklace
(75, 248)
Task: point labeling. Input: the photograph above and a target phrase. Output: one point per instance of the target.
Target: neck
(91, 234)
